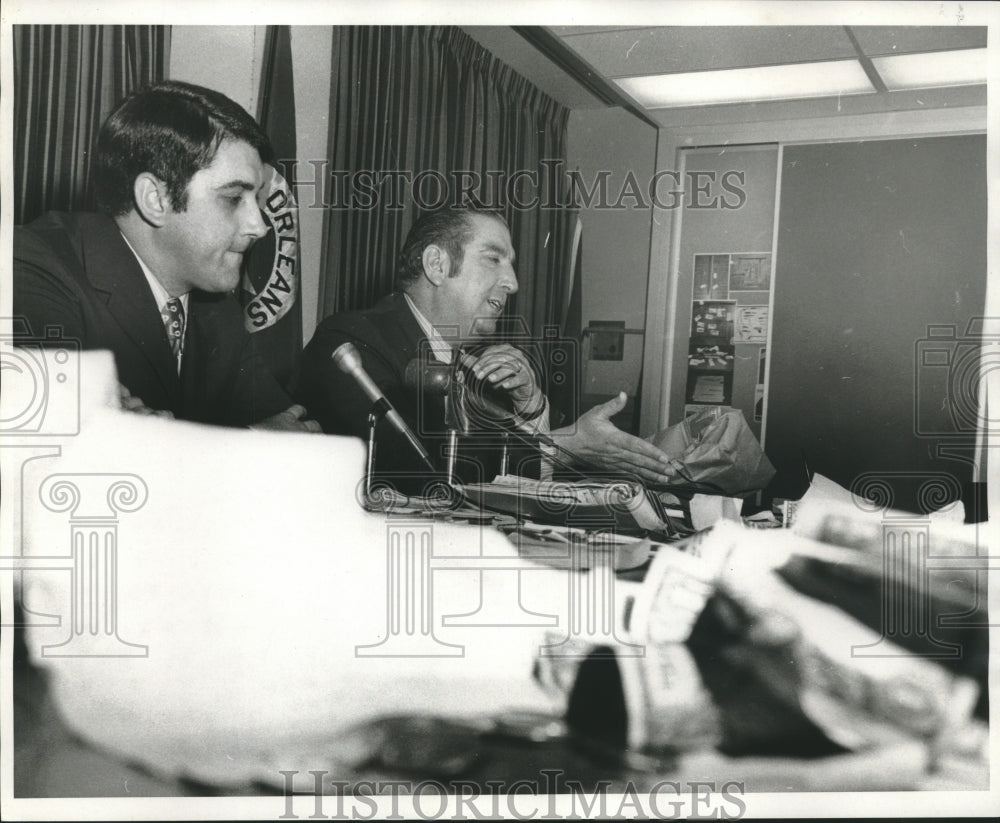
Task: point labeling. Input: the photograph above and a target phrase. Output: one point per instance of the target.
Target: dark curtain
(420, 99)
(66, 81)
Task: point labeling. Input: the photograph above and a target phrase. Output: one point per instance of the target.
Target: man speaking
(456, 271)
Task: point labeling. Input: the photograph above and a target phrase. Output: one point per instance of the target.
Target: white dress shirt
(161, 296)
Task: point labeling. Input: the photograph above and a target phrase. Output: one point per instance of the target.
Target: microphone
(438, 379)
(347, 359)
(433, 377)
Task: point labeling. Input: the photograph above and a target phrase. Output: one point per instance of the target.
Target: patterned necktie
(173, 319)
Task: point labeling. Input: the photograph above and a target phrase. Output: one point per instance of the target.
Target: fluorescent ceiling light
(784, 82)
(937, 68)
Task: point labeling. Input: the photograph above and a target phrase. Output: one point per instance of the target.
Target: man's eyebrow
(245, 185)
(498, 249)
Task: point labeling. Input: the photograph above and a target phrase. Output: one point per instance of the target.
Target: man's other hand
(129, 402)
(594, 439)
(292, 419)
(508, 368)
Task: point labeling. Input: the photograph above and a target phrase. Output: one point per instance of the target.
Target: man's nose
(255, 225)
(508, 280)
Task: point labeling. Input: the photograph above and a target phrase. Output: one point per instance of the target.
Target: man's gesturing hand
(596, 440)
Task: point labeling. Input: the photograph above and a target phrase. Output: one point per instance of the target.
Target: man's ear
(437, 264)
(151, 198)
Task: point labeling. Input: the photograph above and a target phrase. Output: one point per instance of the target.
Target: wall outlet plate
(607, 345)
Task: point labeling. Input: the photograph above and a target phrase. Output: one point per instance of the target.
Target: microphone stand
(457, 404)
(348, 360)
(456, 416)
(376, 414)
(504, 455)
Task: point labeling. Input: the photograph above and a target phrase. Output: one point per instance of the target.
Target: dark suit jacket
(75, 273)
(388, 337)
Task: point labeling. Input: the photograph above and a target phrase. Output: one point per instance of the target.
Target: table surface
(51, 761)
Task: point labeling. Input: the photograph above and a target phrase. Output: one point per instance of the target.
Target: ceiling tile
(663, 50)
(883, 40)
(562, 31)
(859, 104)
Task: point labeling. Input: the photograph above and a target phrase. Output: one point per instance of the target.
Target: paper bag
(714, 450)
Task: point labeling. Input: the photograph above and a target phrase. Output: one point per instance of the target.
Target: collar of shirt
(160, 294)
(439, 346)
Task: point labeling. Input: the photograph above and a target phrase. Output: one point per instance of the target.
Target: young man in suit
(177, 168)
(456, 271)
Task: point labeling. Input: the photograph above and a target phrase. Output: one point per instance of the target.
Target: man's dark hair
(450, 228)
(171, 130)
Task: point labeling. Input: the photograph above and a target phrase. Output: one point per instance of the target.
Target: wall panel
(877, 241)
